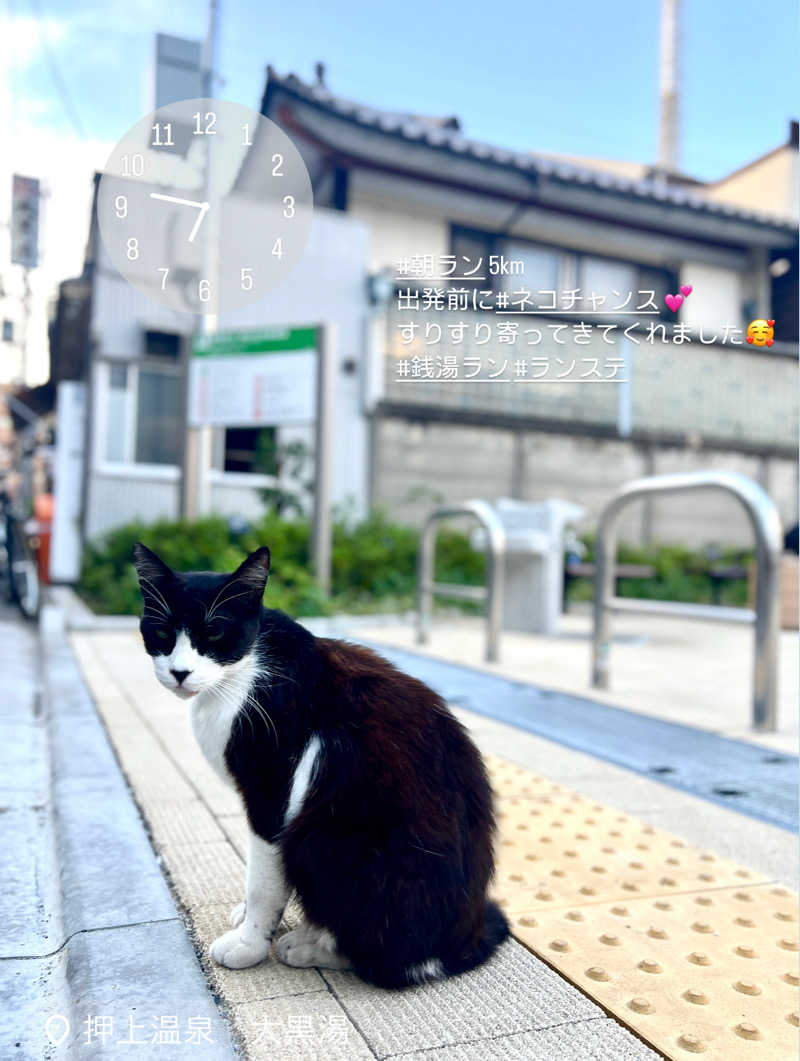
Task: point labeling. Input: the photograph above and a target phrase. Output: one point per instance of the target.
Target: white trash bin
(533, 593)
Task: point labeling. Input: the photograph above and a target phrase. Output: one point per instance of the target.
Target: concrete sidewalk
(515, 1007)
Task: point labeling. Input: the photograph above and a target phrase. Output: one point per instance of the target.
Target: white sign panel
(254, 388)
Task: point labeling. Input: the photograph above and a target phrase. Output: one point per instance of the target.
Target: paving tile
(311, 1027)
(222, 800)
(270, 979)
(207, 874)
(513, 992)
(149, 768)
(181, 822)
(589, 1040)
(235, 828)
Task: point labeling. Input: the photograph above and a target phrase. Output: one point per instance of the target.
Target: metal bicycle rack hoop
(765, 618)
(491, 594)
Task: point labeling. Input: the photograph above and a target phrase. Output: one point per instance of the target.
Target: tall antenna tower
(670, 82)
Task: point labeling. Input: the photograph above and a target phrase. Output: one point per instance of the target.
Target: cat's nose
(179, 675)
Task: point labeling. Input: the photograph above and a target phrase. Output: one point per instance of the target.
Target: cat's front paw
(237, 914)
(297, 947)
(235, 952)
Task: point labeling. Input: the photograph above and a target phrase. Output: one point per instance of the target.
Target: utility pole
(195, 492)
(670, 86)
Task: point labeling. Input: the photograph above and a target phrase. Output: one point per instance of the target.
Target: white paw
(298, 948)
(237, 914)
(234, 952)
(307, 946)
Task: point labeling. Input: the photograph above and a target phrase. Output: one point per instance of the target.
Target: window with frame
(251, 449)
(606, 285)
(549, 268)
(472, 250)
(162, 344)
(541, 268)
(159, 420)
(144, 423)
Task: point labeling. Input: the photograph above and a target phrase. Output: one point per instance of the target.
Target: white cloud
(62, 162)
(22, 38)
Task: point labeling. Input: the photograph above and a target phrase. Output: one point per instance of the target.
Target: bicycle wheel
(23, 575)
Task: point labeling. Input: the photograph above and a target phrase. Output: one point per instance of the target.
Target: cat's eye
(162, 633)
(216, 636)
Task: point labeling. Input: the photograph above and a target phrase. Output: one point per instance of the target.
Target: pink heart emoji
(674, 302)
(687, 289)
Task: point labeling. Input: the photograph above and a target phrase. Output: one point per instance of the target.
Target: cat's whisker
(260, 710)
(223, 587)
(150, 596)
(233, 693)
(228, 697)
(155, 591)
(273, 672)
(150, 606)
(225, 600)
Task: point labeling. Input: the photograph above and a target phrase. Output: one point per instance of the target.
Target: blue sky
(577, 78)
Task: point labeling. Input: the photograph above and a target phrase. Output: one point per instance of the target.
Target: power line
(60, 85)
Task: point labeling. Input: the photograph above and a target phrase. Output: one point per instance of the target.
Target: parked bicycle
(17, 560)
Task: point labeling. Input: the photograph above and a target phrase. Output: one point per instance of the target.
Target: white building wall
(395, 233)
(329, 285)
(716, 297)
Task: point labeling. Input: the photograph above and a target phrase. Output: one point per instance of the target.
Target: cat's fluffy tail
(495, 931)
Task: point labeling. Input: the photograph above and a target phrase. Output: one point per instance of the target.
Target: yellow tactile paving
(566, 849)
(719, 968)
(695, 953)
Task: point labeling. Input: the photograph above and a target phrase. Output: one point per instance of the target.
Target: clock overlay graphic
(205, 205)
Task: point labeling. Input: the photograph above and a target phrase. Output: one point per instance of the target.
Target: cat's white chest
(213, 712)
(212, 717)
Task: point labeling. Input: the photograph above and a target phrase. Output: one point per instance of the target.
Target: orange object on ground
(43, 514)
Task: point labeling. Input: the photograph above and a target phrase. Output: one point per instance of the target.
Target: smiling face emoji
(761, 332)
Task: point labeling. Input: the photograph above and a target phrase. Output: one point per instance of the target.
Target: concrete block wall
(717, 391)
(418, 465)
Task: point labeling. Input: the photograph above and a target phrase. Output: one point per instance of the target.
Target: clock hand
(174, 199)
(202, 207)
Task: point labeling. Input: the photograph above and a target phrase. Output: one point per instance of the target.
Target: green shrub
(373, 562)
(681, 574)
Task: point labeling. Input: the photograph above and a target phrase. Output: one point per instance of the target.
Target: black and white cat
(363, 793)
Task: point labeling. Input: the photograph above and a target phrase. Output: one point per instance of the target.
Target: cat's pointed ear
(254, 570)
(149, 567)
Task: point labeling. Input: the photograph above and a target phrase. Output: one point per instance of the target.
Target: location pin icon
(57, 1029)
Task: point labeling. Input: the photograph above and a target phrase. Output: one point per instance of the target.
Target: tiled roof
(443, 134)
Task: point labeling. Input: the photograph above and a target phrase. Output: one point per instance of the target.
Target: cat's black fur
(392, 849)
